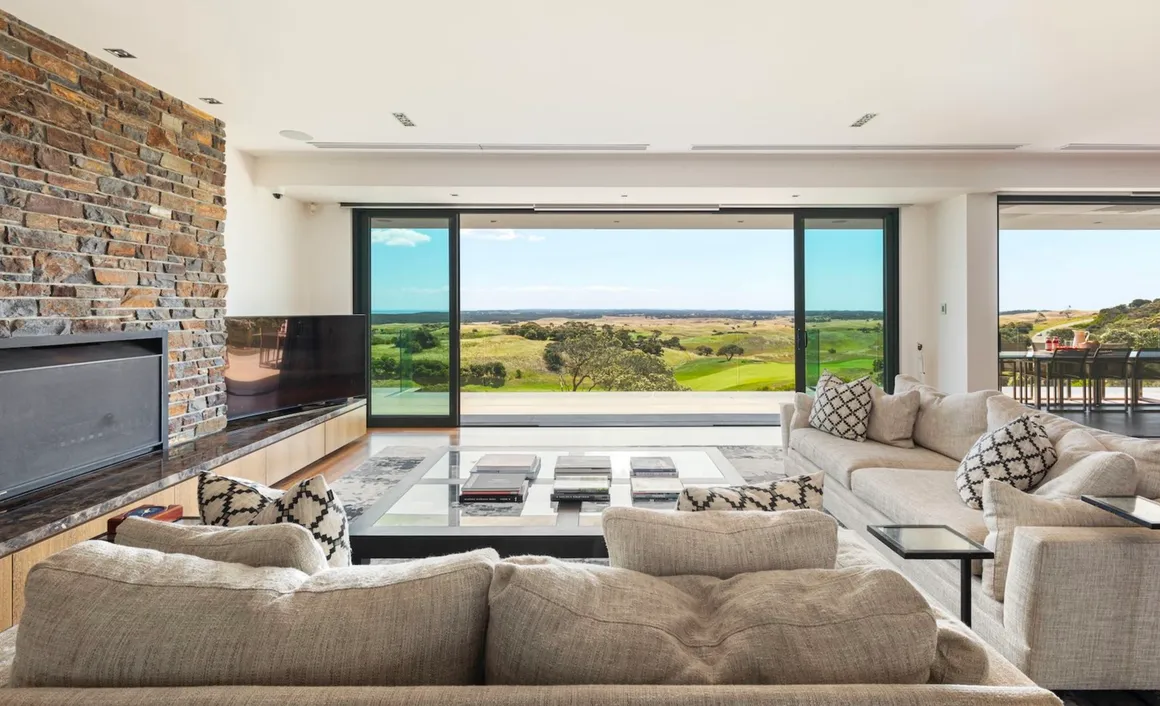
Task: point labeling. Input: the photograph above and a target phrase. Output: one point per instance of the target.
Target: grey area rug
(360, 488)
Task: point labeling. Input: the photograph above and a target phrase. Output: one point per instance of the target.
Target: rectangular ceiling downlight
(402, 117)
(544, 147)
(859, 148)
(399, 146)
(864, 119)
(1107, 147)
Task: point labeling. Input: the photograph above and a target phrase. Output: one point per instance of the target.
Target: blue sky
(613, 269)
(1081, 269)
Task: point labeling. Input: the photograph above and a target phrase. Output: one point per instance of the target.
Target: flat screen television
(279, 363)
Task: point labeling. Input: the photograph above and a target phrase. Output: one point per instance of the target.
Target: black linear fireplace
(73, 404)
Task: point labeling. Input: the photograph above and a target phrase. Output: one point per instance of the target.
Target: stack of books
(653, 467)
(577, 488)
(582, 479)
(494, 488)
(656, 489)
(527, 464)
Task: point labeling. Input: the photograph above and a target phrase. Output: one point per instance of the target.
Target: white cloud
(500, 235)
(399, 237)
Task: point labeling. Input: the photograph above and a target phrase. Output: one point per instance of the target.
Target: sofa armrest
(786, 423)
(1086, 603)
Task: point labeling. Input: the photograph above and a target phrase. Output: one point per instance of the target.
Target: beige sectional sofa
(118, 625)
(1079, 607)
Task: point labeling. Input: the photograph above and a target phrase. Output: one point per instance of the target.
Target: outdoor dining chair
(1110, 364)
(1066, 367)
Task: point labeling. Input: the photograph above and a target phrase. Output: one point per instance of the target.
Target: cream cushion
(1070, 449)
(892, 417)
(1005, 509)
(947, 423)
(285, 545)
(1146, 453)
(721, 544)
(1098, 473)
(802, 405)
(841, 457)
(910, 497)
(101, 615)
(1002, 410)
(557, 623)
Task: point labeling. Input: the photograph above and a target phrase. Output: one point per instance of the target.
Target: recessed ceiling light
(1096, 222)
(211, 101)
(841, 221)
(402, 117)
(624, 196)
(616, 221)
(454, 194)
(864, 119)
(495, 221)
(796, 195)
(120, 53)
(295, 135)
(740, 221)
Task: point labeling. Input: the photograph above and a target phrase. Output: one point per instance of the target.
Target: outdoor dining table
(1042, 357)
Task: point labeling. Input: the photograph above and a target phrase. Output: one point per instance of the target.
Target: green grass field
(848, 347)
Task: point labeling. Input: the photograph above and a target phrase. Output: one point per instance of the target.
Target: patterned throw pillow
(802, 492)
(1017, 453)
(233, 502)
(842, 408)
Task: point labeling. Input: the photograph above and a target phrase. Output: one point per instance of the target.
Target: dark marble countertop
(25, 521)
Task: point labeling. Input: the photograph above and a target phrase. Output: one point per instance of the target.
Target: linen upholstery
(284, 545)
(101, 615)
(1070, 449)
(1002, 410)
(721, 544)
(1146, 453)
(947, 423)
(840, 458)
(892, 417)
(553, 623)
(587, 695)
(1006, 508)
(1099, 473)
(912, 497)
(802, 404)
(961, 658)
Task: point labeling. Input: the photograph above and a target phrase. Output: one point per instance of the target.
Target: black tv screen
(276, 363)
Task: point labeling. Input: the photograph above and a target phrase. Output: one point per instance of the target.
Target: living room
(519, 323)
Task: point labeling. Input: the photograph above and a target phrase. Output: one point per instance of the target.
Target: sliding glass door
(407, 284)
(846, 303)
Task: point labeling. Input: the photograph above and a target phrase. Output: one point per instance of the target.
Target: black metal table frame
(566, 538)
(1099, 501)
(965, 558)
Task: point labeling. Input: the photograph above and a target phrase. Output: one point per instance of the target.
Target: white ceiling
(668, 73)
(1074, 216)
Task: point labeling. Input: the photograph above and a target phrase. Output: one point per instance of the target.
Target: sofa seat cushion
(102, 615)
(558, 623)
(916, 497)
(839, 458)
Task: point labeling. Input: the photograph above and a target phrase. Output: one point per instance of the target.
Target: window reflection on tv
(277, 363)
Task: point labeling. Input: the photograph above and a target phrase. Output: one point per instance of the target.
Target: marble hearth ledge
(28, 521)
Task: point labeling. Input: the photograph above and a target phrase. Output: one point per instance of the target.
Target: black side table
(1133, 508)
(935, 542)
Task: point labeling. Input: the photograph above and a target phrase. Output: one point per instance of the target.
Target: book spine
(491, 498)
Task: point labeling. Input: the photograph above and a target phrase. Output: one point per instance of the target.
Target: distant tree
(1148, 338)
(519, 373)
(1067, 312)
(1039, 317)
(385, 368)
(492, 374)
(832, 351)
(579, 355)
(729, 350)
(1119, 336)
(1137, 303)
(430, 372)
(635, 371)
(426, 339)
(703, 350)
(755, 324)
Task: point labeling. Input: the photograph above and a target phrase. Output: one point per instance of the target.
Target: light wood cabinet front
(292, 455)
(340, 431)
(6, 592)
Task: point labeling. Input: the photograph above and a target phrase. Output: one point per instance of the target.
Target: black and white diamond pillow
(234, 502)
(1017, 453)
(802, 492)
(842, 408)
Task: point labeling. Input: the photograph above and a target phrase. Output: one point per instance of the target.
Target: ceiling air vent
(1107, 147)
(859, 148)
(537, 147)
(399, 146)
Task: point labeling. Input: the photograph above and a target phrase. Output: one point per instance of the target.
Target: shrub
(430, 372)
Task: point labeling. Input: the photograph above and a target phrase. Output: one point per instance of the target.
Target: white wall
(262, 256)
(964, 271)
(917, 307)
(325, 271)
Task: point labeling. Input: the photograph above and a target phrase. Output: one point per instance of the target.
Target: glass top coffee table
(421, 515)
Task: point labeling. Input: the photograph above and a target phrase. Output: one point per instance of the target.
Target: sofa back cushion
(721, 544)
(284, 545)
(892, 417)
(101, 615)
(947, 423)
(1098, 473)
(557, 623)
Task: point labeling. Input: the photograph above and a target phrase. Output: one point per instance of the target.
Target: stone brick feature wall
(111, 214)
